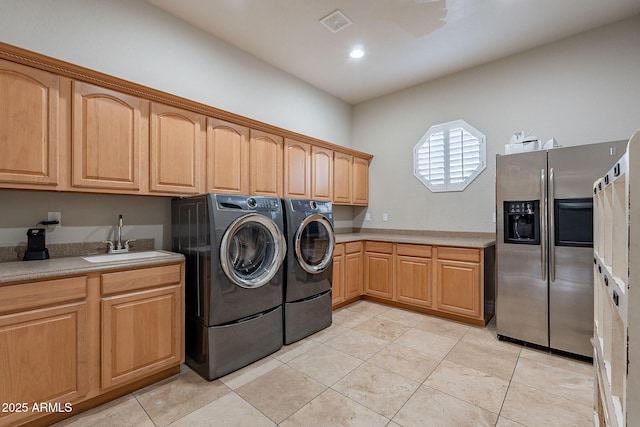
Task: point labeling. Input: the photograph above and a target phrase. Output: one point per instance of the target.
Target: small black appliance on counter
(36, 249)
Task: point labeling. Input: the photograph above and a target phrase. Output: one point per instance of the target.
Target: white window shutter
(449, 156)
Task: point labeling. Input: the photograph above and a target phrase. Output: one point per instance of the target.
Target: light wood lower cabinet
(378, 269)
(458, 281)
(347, 272)
(353, 274)
(337, 279)
(65, 342)
(44, 346)
(413, 278)
(141, 323)
(447, 281)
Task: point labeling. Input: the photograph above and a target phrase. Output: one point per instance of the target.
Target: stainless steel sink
(124, 257)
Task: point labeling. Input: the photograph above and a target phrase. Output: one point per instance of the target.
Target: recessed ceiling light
(356, 53)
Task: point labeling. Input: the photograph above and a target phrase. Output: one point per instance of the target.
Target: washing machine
(234, 279)
(309, 267)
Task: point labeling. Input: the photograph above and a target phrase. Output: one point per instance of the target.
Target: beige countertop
(20, 271)
(468, 240)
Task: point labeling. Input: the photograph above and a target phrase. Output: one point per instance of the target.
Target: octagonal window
(449, 156)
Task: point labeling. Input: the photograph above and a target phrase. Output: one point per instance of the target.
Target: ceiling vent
(336, 21)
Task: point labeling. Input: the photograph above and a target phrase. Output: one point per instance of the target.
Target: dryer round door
(252, 251)
(314, 244)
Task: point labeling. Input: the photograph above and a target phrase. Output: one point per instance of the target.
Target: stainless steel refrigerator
(544, 244)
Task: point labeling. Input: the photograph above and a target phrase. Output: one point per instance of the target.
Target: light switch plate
(367, 216)
(385, 216)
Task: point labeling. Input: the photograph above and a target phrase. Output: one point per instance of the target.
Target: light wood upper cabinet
(265, 164)
(321, 173)
(61, 134)
(227, 157)
(342, 178)
(350, 180)
(360, 192)
(177, 150)
(297, 169)
(29, 125)
(110, 139)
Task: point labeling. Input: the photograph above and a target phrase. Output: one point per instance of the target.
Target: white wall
(581, 90)
(136, 41)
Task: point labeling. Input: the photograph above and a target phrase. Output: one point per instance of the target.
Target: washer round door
(252, 250)
(314, 244)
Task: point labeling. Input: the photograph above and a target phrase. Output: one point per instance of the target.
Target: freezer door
(522, 304)
(572, 171)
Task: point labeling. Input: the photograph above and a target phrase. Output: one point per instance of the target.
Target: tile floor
(375, 366)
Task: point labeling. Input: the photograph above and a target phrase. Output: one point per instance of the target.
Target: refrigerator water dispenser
(522, 222)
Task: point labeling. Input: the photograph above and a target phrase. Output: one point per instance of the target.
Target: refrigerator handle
(543, 223)
(552, 229)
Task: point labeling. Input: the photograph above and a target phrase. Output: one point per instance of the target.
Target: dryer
(234, 279)
(309, 267)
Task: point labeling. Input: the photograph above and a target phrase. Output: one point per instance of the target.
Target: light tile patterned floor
(375, 366)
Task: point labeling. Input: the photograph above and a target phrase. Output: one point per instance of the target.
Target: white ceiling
(407, 42)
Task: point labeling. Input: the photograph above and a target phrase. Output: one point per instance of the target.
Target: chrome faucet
(116, 246)
(120, 223)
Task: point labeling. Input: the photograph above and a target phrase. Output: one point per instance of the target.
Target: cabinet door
(354, 274)
(265, 164)
(337, 283)
(378, 270)
(109, 140)
(297, 169)
(321, 173)
(141, 334)
(342, 179)
(43, 357)
(414, 272)
(177, 150)
(413, 280)
(360, 194)
(459, 288)
(29, 125)
(227, 157)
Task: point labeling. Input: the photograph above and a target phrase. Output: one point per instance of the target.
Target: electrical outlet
(385, 216)
(367, 216)
(494, 217)
(55, 216)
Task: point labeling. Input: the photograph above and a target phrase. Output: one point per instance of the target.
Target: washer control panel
(263, 203)
(301, 205)
(252, 203)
